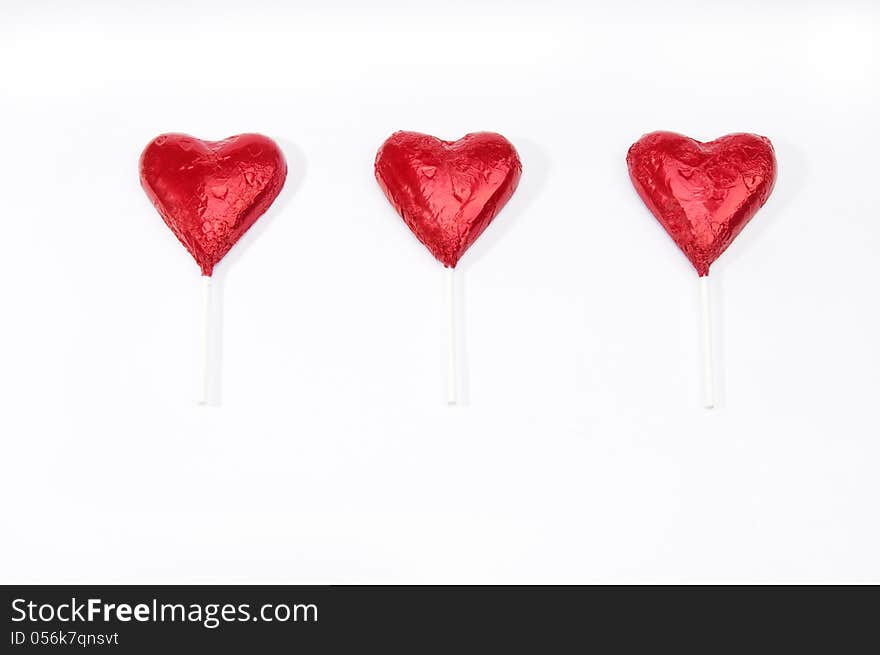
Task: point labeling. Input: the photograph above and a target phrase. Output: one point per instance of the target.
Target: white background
(582, 453)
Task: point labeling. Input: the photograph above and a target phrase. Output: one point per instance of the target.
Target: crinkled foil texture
(447, 192)
(702, 193)
(210, 192)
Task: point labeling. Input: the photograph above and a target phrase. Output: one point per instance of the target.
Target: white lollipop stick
(206, 341)
(706, 321)
(451, 370)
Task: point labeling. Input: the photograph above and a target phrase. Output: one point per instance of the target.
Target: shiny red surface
(702, 193)
(447, 192)
(210, 192)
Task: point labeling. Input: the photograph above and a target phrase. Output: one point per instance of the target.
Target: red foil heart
(210, 192)
(703, 194)
(447, 192)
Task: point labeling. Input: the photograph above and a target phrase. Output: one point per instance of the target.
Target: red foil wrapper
(210, 192)
(447, 192)
(703, 194)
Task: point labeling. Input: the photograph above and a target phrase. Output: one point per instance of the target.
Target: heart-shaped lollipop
(210, 192)
(703, 194)
(447, 191)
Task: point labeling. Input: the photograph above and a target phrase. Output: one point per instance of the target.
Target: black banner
(285, 619)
